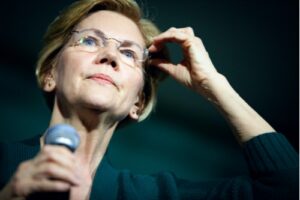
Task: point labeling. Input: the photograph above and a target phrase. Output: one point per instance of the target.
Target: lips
(102, 78)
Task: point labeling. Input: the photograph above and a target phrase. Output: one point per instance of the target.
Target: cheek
(136, 83)
(68, 68)
(69, 74)
(130, 87)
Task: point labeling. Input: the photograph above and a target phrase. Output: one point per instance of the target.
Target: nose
(109, 61)
(108, 55)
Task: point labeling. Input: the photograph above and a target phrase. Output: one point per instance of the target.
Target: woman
(96, 73)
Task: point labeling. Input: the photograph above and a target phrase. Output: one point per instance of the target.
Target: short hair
(58, 33)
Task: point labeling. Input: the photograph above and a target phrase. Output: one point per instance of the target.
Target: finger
(188, 30)
(59, 155)
(168, 67)
(51, 185)
(55, 172)
(184, 37)
(162, 64)
(177, 37)
(24, 170)
(175, 34)
(199, 44)
(46, 185)
(159, 43)
(28, 186)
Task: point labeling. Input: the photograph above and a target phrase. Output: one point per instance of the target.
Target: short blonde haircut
(58, 34)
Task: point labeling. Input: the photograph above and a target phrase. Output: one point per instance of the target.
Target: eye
(88, 41)
(128, 53)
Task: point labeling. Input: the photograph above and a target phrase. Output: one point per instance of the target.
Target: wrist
(213, 87)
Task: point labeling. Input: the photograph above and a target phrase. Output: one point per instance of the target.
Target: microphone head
(63, 135)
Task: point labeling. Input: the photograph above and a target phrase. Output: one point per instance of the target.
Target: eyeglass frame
(102, 35)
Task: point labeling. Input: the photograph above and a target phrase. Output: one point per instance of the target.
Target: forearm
(196, 71)
(244, 120)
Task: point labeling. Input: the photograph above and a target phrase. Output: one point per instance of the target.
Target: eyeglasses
(91, 40)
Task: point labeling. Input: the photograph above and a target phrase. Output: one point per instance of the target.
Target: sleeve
(273, 166)
(272, 161)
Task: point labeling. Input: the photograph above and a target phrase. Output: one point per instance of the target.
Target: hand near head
(52, 170)
(196, 66)
(197, 72)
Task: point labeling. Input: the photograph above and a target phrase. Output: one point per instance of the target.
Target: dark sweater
(272, 162)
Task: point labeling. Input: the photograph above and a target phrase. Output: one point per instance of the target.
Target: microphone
(61, 135)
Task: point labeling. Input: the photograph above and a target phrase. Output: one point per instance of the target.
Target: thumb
(164, 65)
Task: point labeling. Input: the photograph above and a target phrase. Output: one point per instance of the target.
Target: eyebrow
(102, 34)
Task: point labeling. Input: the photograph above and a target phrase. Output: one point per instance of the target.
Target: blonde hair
(59, 31)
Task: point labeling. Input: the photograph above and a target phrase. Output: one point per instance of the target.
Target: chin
(101, 103)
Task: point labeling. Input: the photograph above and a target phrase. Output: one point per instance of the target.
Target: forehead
(114, 25)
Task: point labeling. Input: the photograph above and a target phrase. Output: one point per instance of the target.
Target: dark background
(253, 43)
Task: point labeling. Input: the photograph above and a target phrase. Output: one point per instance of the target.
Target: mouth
(102, 79)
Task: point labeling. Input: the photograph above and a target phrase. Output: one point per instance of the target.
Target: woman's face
(101, 80)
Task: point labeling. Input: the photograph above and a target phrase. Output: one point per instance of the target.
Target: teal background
(253, 43)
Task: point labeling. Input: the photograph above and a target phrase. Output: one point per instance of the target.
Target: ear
(137, 108)
(49, 82)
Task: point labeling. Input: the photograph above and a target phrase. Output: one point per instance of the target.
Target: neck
(95, 130)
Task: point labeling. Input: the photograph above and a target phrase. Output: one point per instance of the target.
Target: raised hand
(196, 66)
(197, 72)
